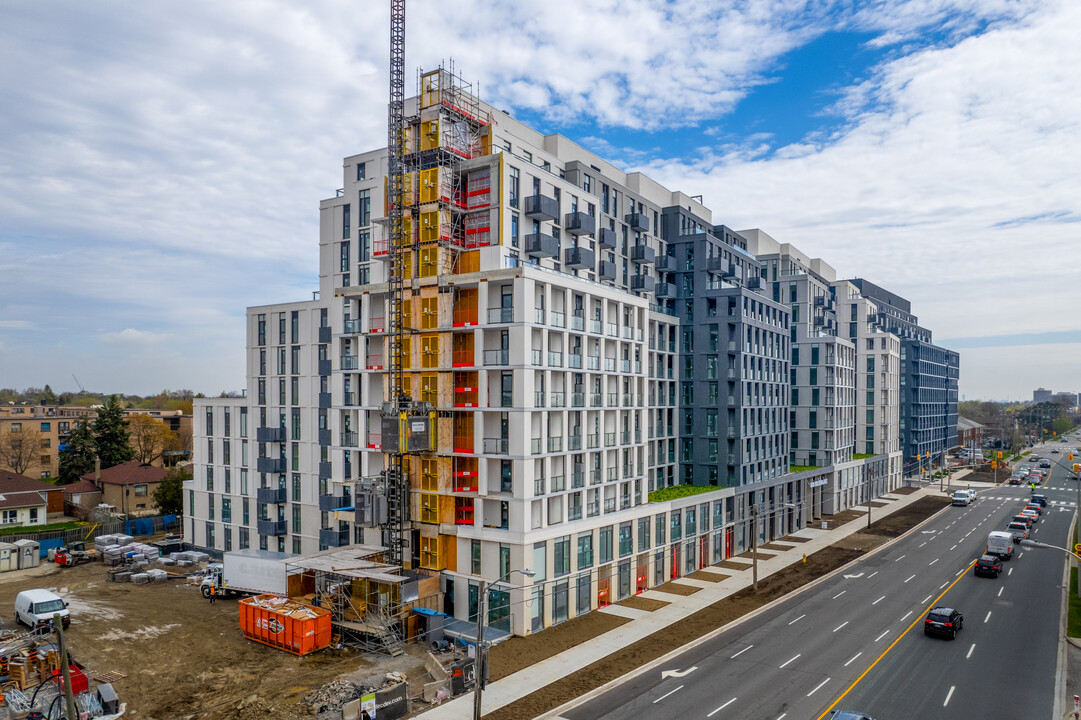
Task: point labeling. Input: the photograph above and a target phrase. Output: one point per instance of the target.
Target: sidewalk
(644, 623)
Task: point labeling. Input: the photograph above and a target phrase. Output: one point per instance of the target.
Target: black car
(1045, 464)
(1040, 500)
(943, 621)
(988, 565)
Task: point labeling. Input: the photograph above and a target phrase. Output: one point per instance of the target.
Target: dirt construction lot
(182, 656)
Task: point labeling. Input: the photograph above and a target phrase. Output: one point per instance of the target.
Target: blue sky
(161, 166)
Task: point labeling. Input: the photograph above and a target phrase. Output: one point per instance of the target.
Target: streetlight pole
(1071, 553)
(482, 622)
(754, 545)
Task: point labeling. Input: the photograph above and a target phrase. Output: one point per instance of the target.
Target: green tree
(169, 495)
(48, 397)
(77, 456)
(111, 434)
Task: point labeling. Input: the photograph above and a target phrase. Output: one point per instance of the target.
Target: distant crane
(81, 388)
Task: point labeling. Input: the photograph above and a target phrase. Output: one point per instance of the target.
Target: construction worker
(213, 593)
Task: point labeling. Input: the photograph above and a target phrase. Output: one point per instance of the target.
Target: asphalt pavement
(855, 641)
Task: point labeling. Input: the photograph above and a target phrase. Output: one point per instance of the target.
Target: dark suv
(988, 565)
(1040, 500)
(943, 621)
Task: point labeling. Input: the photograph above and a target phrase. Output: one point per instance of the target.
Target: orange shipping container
(284, 624)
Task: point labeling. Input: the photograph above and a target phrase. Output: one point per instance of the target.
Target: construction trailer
(370, 600)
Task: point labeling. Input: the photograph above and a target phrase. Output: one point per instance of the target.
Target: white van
(962, 497)
(36, 608)
(1000, 544)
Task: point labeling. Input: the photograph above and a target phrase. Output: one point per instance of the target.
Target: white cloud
(16, 324)
(162, 165)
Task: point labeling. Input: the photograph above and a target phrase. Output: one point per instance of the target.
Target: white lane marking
(818, 687)
(788, 661)
(741, 652)
(662, 697)
(961, 571)
(910, 577)
(988, 616)
(906, 616)
(1000, 592)
(953, 547)
(876, 602)
(853, 659)
(900, 558)
(839, 594)
(932, 562)
(722, 707)
(872, 574)
(970, 651)
(782, 716)
(923, 543)
(840, 626)
(882, 636)
(943, 585)
(1009, 572)
(948, 696)
(798, 619)
(1021, 553)
(926, 599)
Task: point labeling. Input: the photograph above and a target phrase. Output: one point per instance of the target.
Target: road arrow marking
(677, 673)
(850, 577)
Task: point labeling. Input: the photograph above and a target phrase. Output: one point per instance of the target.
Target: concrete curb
(653, 664)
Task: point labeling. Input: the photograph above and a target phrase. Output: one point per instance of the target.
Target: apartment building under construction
(572, 338)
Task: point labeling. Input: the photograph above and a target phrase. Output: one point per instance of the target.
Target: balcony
(496, 446)
(538, 486)
(323, 367)
(666, 290)
(272, 528)
(579, 258)
(538, 399)
(606, 238)
(324, 437)
(330, 503)
(574, 442)
(325, 470)
(324, 400)
(334, 538)
(579, 223)
(606, 270)
(270, 434)
(578, 478)
(324, 334)
(578, 321)
(664, 262)
(349, 399)
(555, 359)
(351, 327)
(270, 496)
(574, 512)
(272, 466)
(541, 246)
(541, 207)
(643, 254)
(643, 283)
(555, 444)
(593, 509)
(500, 315)
(609, 505)
(350, 439)
(574, 361)
(578, 399)
(497, 357)
(348, 362)
(637, 221)
(537, 357)
(559, 400)
(754, 282)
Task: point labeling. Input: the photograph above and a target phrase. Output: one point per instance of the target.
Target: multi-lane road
(855, 641)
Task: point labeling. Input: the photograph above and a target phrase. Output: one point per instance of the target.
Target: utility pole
(69, 699)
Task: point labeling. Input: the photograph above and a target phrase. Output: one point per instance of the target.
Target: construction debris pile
(31, 680)
(285, 606)
(344, 698)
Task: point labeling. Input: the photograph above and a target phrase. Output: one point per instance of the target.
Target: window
(364, 214)
(605, 552)
(45, 427)
(140, 490)
(643, 534)
(561, 556)
(660, 529)
(626, 539)
(585, 550)
(361, 171)
(540, 562)
(475, 557)
(514, 187)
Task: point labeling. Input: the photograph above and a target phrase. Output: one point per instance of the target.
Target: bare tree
(19, 449)
(149, 438)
